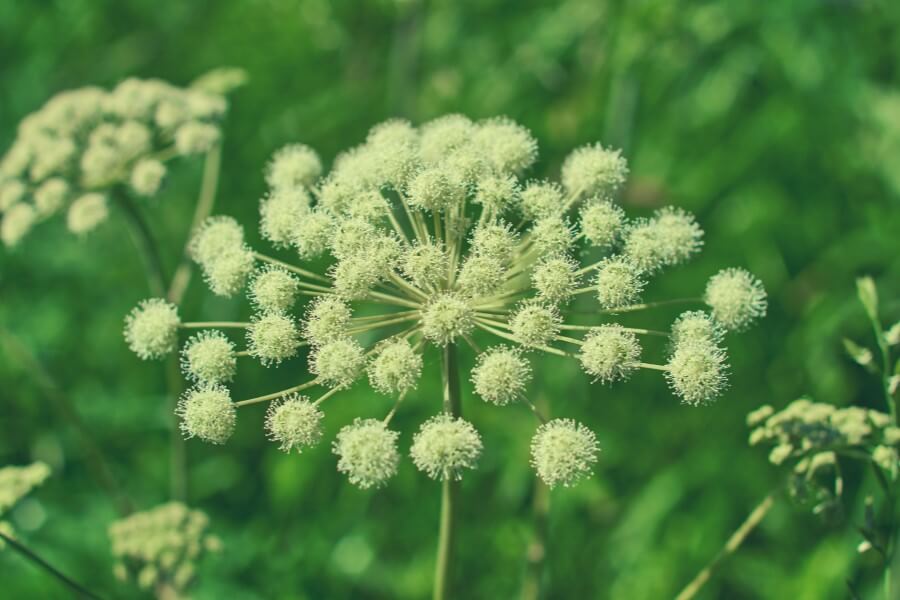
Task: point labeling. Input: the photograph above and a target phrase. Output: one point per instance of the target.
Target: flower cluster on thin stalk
(15, 484)
(438, 236)
(814, 437)
(159, 549)
(70, 155)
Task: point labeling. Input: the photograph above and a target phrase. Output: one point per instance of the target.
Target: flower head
(274, 289)
(86, 212)
(209, 357)
(535, 324)
(445, 446)
(327, 319)
(610, 353)
(555, 279)
(147, 176)
(396, 367)
(602, 223)
(671, 237)
(696, 325)
(541, 199)
(281, 214)
(272, 337)
(501, 375)
(208, 413)
(697, 371)
(736, 297)
(337, 363)
(151, 328)
(618, 282)
(294, 422)
(313, 234)
(447, 317)
(293, 166)
(563, 452)
(496, 240)
(594, 171)
(424, 264)
(367, 453)
(17, 222)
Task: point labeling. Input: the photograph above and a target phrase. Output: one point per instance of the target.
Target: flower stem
(97, 464)
(148, 247)
(733, 543)
(79, 590)
(205, 202)
(450, 488)
(145, 243)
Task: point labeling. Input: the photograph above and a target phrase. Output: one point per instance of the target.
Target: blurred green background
(777, 123)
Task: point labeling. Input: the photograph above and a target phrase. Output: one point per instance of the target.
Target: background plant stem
(450, 488)
(148, 247)
(79, 590)
(734, 542)
(144, 242)
(94, 457)
(536, 554)
(205, 203)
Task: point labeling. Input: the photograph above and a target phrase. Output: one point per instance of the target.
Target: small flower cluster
(160, 548)
(69, 155)
(15, 484)
(813, 434)
(437, 240)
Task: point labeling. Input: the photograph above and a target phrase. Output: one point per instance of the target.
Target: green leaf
(868, 295)
(859, 354)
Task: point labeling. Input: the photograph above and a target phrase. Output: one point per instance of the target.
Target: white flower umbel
(96, 144)
(423, 243)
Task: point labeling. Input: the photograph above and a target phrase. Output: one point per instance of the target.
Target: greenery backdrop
(777, 123)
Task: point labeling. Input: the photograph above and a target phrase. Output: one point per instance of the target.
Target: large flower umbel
(438, 241)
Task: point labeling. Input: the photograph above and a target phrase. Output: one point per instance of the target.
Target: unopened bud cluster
(437, 241)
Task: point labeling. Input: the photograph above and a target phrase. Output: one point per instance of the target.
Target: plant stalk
(734, 542)
(148, 247)
(449, 488)
(93, 455)
(79, 590)
(205, 202)
(145, 243)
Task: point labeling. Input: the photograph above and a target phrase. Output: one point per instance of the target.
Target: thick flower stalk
(84, 146)
(438, 239)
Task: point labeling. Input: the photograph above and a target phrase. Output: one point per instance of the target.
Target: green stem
(178, 477)
(145, 243)
(93, 455)
(205, 202)
(731, 546)
(449, 488)
(79, 590)
(536, 552)
(149, 249)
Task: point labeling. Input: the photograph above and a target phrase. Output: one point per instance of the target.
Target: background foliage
(778, 123)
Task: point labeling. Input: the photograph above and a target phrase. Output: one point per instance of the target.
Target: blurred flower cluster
(15, 484)
(69, 155)
(437, 239)
(159, 549)
(812, 434)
